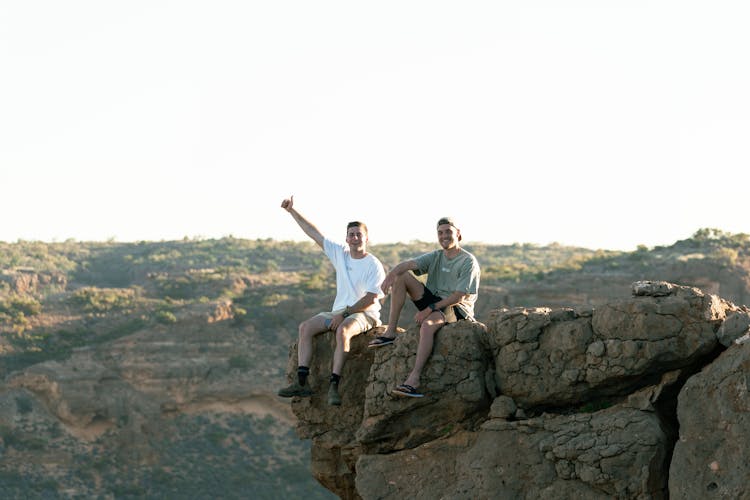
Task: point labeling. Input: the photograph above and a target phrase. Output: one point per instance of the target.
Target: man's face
(355, 237)
(447, 236)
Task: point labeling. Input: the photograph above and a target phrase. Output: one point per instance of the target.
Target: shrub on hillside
(100, 300)
(14, 305)
(196, 284)
(16, 309)
(165, 317)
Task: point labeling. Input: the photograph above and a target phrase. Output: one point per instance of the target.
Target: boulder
(712, 454)
(557, 358)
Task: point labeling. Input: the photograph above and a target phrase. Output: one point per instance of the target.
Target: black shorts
(428, 298)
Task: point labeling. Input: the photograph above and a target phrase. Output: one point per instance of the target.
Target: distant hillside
(62, 300)
(715, 261)
(105, 290)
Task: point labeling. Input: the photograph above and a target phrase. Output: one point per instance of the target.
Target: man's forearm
(363, 303)
(401, 268)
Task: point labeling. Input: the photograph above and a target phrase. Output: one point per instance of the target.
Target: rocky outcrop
(643, 397)
(28, 281)
(558, 358)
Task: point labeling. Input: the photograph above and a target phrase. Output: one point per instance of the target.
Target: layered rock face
(643, 397)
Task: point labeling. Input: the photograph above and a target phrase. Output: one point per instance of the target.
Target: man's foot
(381, 341)
(408, 391)
(333, 395)
(295, 390)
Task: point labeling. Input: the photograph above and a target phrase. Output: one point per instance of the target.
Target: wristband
(432, 306)
(346, 312)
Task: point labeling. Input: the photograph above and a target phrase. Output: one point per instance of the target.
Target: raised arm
(306, 225)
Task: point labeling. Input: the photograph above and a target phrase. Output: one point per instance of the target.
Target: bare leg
(344, 333)
(307, 330)
(427, 332)
(406, 283)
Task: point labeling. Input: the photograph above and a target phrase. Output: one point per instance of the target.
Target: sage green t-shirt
(445, 276)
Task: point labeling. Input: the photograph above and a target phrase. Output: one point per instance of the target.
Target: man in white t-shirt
(356, 307)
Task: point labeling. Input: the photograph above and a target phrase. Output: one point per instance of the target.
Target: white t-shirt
(354, 277)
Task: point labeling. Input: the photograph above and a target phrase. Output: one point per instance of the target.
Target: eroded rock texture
(546, 403)
(712, 455)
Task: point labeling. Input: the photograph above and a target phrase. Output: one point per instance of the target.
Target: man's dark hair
(359, 224)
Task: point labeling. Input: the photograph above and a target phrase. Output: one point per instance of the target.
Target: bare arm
(366, 301)
(307, 226)
(407, 265)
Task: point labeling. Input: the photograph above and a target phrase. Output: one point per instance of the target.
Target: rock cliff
(644, 397)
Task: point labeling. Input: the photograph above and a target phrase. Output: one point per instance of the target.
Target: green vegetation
(517, 263)
(165, 317)
(103, 300)
(18, 305)
(21, 440)
(16, 309)
(43, 257)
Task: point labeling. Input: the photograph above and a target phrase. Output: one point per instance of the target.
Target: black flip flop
(408, 391)
(381, 341)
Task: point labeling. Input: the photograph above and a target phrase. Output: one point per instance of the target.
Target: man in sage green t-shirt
(448, 295)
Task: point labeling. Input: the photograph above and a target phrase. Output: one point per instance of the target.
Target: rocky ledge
(643, 397)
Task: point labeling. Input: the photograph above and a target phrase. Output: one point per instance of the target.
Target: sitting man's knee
(430, 328)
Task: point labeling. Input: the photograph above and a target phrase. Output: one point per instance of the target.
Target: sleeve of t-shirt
(375, 278)
(423, 262)
(333, 251)
(468, 277)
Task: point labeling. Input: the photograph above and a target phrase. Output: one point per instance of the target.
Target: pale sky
(596, 123)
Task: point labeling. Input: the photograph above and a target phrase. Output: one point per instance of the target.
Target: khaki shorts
(365, 320)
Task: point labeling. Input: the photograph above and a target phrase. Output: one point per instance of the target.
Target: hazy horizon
(585, 123)
(304, 238)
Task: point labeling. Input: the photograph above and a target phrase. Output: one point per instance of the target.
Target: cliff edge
(642, 397)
